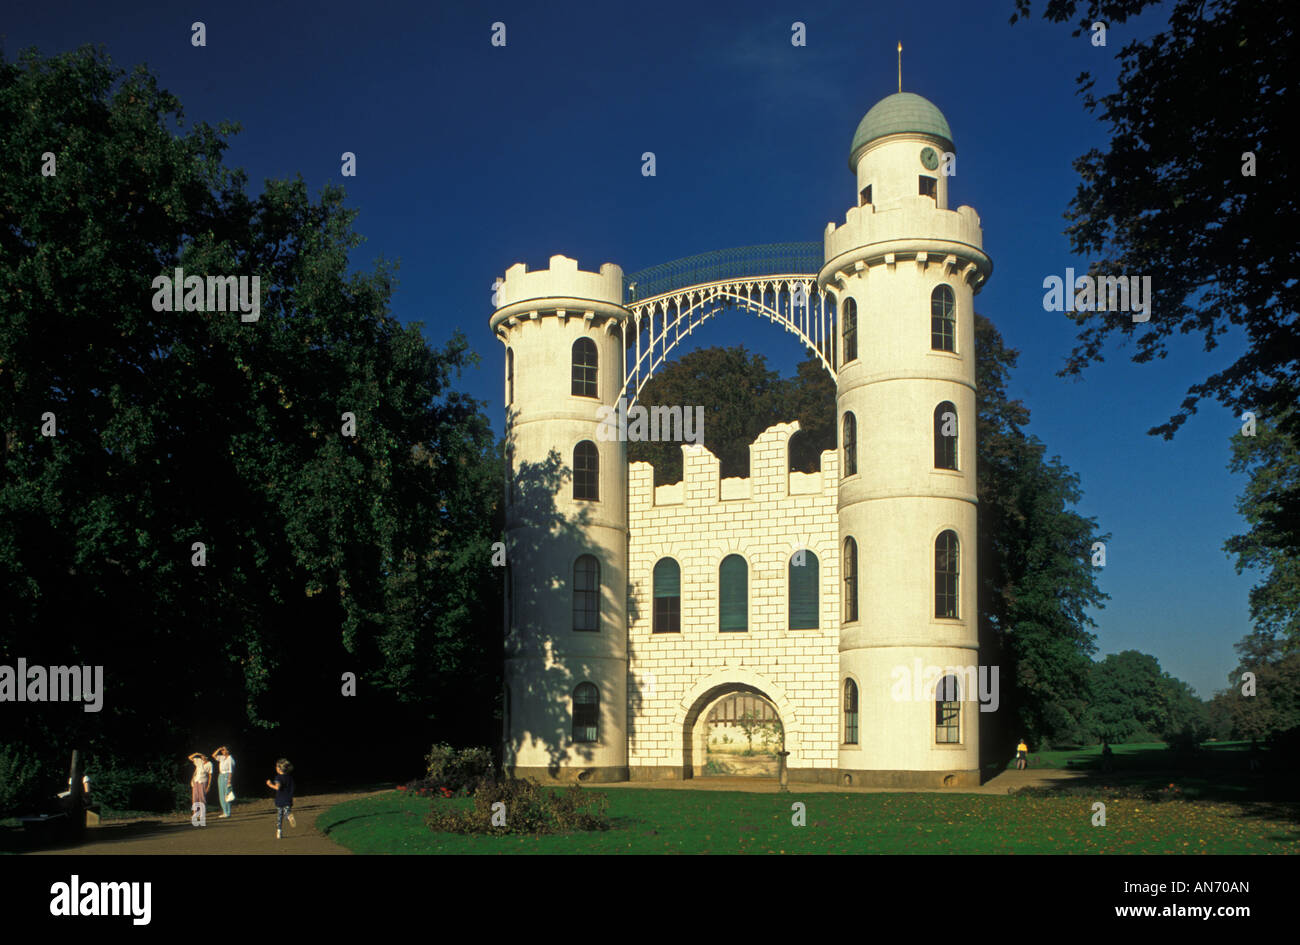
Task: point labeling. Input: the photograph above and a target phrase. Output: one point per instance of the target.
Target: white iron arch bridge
(777, 281)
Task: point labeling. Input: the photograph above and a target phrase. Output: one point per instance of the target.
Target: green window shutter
(803, 592)
(668, 578)
(733, 594)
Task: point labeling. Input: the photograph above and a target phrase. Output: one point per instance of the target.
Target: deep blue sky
(471, 158)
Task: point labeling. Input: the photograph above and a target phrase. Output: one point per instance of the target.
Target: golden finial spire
(900, 67)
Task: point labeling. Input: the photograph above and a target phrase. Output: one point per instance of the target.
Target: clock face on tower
(930, 159)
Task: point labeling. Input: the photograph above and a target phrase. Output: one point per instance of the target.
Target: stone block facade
(673, 678)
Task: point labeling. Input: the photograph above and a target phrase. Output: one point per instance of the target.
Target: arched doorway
(733, 730)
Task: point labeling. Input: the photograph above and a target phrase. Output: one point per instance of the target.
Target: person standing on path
(225, 778)
(283, 786)
(1022, 755)
(201, 779)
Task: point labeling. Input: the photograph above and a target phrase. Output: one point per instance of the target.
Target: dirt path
(250, 829)
(1001, 784)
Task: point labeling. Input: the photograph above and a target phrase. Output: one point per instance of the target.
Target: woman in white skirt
(225, 778)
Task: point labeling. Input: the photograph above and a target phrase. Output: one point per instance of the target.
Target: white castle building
(635, 611)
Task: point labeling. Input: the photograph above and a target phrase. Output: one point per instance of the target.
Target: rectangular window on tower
(928, 187)
(864, 197)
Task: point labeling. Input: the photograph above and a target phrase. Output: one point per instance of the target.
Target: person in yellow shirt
(1022, 755)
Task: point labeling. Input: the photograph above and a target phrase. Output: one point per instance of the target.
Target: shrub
(20, 781)
(150, 787)
(528, 809)
(425, 788)
(458, 771)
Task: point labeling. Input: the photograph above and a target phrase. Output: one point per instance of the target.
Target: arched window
(850, 580)
(510, 376)
(586, 713)
(850, 712)
(945, 575)
(945, 436)
(833, 340)
(947, 711)
(586, 593)
(586, 471)
(803, 590)
(584, 368)
(849, 312)
(943, 321)
(667, 596)
(850, 438)
(733, 595)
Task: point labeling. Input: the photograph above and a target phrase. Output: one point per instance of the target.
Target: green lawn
(682, 821)
(1143, 756)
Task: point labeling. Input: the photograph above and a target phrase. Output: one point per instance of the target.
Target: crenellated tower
(904, 269)
(566, 523)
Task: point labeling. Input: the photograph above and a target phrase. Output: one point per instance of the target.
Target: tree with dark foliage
(344, 492)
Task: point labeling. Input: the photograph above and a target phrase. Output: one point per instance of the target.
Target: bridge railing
(735, 263)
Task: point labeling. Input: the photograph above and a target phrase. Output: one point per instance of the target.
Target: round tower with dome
(905, 269)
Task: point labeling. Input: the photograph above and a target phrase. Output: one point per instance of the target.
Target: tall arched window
(833, 341)
(945, 575)
(850, 712)
(943, 320)
(850, 580)
(584, 368)
(667, 596)
(947, 711)
(510, 376)
(586, 471)
(586, 713)
(849, 313)
(733, 595)
(803, 591)
(945, 436)
(850, 438)
(586, 593)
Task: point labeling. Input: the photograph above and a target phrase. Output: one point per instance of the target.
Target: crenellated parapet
(562, 290)
(913, 231)
(769, 476)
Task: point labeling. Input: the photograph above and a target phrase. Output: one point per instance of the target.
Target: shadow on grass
(1213, 774)
(325, 827)
(25, 840)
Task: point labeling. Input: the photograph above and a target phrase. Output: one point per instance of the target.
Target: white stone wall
(671, 676)
(542, 315)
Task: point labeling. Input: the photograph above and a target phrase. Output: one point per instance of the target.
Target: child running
(283, 786)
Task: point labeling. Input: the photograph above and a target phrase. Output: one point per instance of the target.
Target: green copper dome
(903, 111)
